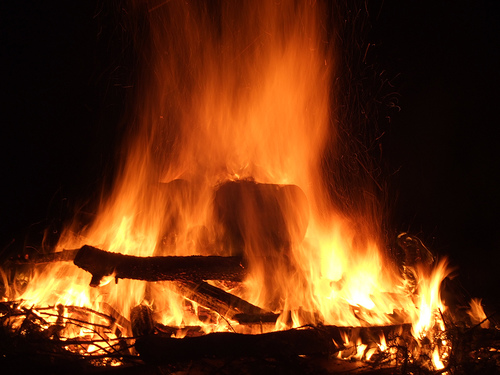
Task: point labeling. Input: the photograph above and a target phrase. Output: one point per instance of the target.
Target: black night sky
(67, 73)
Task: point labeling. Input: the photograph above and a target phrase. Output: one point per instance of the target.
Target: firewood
(141, 318)
(262, 222)
(57, 256)
(161, 349)
(225, 304)
(271, 214)
(309, 341)
(101, 263)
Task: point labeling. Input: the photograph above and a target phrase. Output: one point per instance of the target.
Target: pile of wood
(306, 350)
(31, 345)
(281, 214)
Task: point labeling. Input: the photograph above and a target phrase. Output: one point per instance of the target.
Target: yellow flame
(436, 359)
(429, 301)
(241, 94)
(383, 343)
(476, 313)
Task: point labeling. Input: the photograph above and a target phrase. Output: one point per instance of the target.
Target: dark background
(67, 73)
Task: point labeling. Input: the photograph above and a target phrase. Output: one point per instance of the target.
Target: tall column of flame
(241, 91)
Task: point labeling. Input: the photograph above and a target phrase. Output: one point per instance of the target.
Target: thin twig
(75, 342)
(71, 320)
(102, 315)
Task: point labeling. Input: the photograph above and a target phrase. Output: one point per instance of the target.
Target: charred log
(318, 341)
(262, 222)
(101, 263)
(58, 256)
(272, 214)
(281, 344)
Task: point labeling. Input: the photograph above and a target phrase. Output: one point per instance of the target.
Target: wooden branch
(161, 349)
(225, 304)
(58, 256)
(101, 263)
(311, 341)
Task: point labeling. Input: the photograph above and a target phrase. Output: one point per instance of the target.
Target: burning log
(101, 263)
(317, 341)
(262, 222)
(225, 304)
(246, 210)
(160, 349)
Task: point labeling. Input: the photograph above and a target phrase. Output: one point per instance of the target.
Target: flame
(436, 360)
(237, 102)
(429, 302)
(477, 315)
(383, 343)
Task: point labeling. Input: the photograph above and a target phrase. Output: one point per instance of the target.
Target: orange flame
(241, 94)
(477, 315)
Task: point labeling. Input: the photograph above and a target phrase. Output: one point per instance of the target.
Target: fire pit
(220, 248)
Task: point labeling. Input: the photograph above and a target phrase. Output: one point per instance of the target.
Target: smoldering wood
(225, 304)
(308, 341)
(183, 331)
(102, 263)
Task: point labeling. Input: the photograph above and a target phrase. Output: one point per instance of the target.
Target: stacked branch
(102, 263)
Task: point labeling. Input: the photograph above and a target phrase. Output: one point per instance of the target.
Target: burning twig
(36, 336)
(82, 323)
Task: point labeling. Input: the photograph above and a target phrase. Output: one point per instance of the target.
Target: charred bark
(282, 344)
(317, 341)
(58, 256)
(101, 263)
(273, 215)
